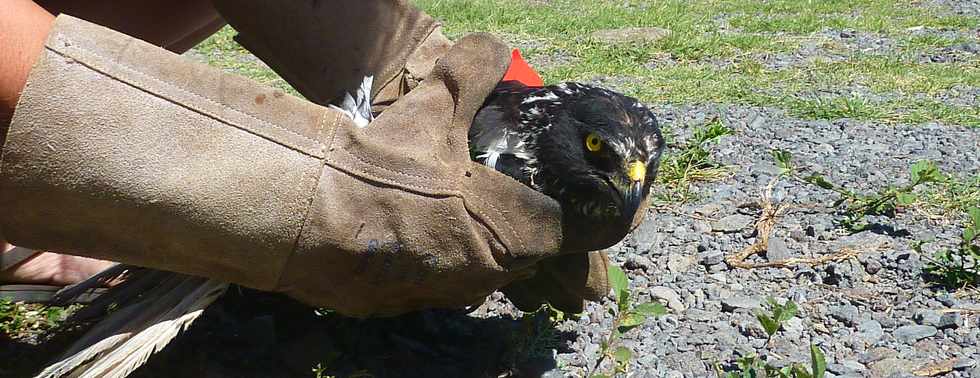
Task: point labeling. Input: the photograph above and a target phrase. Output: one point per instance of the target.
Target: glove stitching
(415, 176)
(315, 176)
(435, 190)
(466, 192)
(68, 47)
(393, 69)
(482, 215)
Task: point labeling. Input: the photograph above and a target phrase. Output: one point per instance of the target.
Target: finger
(470, 71)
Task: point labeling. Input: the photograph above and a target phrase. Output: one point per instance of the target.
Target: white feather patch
(125, 339)
(357, 106)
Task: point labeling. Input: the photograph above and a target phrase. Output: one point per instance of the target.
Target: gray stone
(631, 35)
(709, 258)
(719, 277)
(646, 236)
(948, 300)
(679, 263)
(847, 314)
(777, 250)
(974, 372)
(926, 317)
(853, 365)
(889, 366)
(964, 363)
(635, 262)
(872, 266)
(735, 303)
(702, 227)
(668, 295)
(876, 354)
(949, 320)
(870, 331)
(753, 329)
(864, 239)
(909, 334)
(765, 168)
(732, 223)
(709, 209)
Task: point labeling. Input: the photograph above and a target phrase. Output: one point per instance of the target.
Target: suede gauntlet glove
(120, 150)
(324, 49)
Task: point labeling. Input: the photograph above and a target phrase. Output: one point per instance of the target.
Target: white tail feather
(124, 340)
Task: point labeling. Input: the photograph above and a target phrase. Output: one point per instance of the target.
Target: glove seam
(315, 149)
(392, 70)
(482, 215)
(444, 189)
(316, 175)
(437, 190)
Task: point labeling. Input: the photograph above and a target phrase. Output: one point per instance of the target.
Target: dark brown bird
(594, 150)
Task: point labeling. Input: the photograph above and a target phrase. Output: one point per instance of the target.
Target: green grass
(690, 163)
(221, 50)
(715, 52)
(910, 90)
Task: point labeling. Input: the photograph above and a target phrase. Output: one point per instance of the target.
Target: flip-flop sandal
(35, 293)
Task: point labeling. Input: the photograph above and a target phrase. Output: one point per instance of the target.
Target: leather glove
(123, 151)
(324, 49)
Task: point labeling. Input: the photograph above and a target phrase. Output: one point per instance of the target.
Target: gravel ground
(873, 315)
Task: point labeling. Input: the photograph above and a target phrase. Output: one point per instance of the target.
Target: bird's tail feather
(141, 315)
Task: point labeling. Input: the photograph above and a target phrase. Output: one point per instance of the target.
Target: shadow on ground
(254, 334)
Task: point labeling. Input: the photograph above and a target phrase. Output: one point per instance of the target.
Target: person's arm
(23, 28)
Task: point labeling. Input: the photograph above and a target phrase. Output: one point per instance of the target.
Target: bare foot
(48, 268)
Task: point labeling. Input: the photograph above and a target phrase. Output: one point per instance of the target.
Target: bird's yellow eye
(593, 142)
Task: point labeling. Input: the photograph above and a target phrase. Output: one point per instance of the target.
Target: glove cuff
(121, 150)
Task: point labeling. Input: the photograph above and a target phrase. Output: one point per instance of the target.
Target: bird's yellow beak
(636, 171)
(633, 196)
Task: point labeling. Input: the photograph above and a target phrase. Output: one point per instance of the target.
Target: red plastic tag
(521, 72)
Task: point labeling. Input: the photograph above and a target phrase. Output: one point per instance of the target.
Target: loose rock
(777, 250)
(870, 331)
(911, 333)
(732, 223)
(735, 303)
(847, 314)
(670, 296)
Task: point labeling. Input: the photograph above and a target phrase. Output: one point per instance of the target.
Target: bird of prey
(593, 150)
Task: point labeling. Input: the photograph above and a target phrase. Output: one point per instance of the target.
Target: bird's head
(599, 152)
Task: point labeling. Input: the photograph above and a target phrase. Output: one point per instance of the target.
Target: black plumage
(594, 150)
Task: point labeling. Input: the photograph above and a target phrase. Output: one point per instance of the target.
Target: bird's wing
(495, 137)
(495, 142)
(153, 308)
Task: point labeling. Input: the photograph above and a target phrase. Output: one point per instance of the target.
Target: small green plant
(959, 267)
(857, 205)
(18, 319)
(755, 367)
(837, 107)
(780, 313)
(693, 161)
(540, 335)
(319, 371)
(627, 316)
